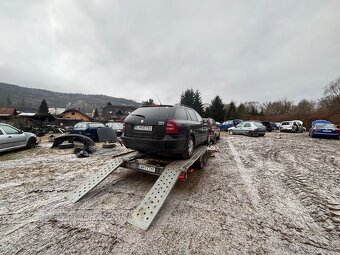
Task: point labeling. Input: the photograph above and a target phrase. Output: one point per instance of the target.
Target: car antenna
(159, 100)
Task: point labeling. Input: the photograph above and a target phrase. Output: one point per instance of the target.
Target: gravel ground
(266, 195)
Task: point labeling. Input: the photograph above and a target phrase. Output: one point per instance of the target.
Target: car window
(239, 125)
(192, 115)
(159, 113)
(10, 131)
(1, 132)
(181, 114)
(198, 116)
(258, 124)
(247, 124)
(286, 123)
(96, 125)
(77, 125)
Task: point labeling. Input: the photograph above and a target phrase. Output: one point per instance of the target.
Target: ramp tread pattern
(145, 213)
(99, 176)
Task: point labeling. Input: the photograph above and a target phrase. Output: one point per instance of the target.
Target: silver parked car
(251, 128)
(116, 126)
(12, 138)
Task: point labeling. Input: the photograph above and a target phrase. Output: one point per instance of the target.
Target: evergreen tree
(188, 98)
(216, 109)
(241, 111)
(231, 111)
(148, 102)
(198, 105)
(43, 108)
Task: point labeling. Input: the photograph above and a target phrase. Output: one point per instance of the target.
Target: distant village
(62, 117)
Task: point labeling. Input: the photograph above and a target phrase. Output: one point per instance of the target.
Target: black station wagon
(165, 129)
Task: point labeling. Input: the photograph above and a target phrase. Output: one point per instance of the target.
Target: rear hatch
(148, 122)
(326, 128)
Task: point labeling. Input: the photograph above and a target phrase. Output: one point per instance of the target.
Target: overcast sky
(240, 50)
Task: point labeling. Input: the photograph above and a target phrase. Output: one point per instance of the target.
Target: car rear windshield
(258, 124)
(115, 125)
(96, 125)
(153, 112)
(324, 125)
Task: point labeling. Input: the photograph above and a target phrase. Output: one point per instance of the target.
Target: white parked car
(12, 138)
(291, 126)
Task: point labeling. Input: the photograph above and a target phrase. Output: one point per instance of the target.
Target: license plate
(143, 128)
(327, 131)
(146, 168)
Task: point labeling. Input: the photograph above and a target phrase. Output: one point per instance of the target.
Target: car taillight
(171, 127)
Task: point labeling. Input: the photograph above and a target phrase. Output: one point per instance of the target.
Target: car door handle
(9, 136)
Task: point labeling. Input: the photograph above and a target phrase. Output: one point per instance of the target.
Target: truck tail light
(171, 127)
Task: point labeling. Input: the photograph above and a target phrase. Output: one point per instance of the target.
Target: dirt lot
(256, 196)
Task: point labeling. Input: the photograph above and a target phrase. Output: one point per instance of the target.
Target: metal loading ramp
(100, 176)
(145, 213)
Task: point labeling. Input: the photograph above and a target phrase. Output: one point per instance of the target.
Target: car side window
(180, 114)
(10, 130)
(247, 125)
(1, 132)
(198, 117)
(192, 115)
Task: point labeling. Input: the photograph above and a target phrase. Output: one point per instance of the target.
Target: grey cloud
(240, 50)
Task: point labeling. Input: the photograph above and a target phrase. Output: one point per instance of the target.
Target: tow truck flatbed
(168, 169)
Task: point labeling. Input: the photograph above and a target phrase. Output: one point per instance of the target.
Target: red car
(214, 130)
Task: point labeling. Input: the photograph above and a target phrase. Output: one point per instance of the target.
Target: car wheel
(31, 143)
(254, 134)
(189, 148)
(231, 132)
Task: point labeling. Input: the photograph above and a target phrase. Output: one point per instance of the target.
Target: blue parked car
(229, 123)
(327, 130)
(314, 122)
(88, 129)
(274, 126)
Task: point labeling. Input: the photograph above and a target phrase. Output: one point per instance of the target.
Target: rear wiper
(139, 115)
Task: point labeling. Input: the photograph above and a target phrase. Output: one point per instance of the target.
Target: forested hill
(29, 99)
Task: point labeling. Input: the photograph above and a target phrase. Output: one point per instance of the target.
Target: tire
(66, 146)
(189, 148)
(31, 143)
(202, 161)
(254, 134)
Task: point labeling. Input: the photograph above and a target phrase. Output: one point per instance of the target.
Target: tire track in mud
(324, 209)
(245, 175)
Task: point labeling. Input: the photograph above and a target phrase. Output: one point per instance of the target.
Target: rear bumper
(167, 145)
(320, 134)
